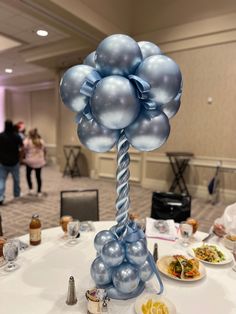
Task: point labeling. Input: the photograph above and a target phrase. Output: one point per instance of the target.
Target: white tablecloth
(40, 285)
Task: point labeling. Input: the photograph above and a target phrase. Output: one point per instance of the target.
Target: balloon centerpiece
(124, 93)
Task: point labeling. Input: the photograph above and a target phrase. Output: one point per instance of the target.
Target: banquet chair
(80, 204)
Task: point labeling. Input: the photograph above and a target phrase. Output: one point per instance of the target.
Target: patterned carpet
(16, 213)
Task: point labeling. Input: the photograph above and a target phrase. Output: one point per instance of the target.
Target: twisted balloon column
(122, 185)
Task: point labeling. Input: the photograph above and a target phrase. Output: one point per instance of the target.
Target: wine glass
(186, 230)
(73, 231)
(10, 253)
(234, 254)
(64, 222)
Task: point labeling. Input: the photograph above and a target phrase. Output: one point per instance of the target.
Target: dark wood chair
(80, 204)
(1, 232)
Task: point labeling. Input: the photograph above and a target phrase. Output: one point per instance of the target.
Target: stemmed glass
(234, 254)
(10, 253)
(73, 231)
(186, 231)
(64, 222)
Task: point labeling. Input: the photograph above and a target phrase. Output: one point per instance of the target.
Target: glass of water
(73, 231)
(186, 231)
(10, 253)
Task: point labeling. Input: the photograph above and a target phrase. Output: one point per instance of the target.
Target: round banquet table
(40, 285)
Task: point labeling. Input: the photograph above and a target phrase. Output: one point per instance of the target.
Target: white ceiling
(76, 26)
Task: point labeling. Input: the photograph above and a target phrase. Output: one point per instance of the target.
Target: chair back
(80, 204)
(1, 232)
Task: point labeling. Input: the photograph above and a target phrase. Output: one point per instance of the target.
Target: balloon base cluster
(113, 293)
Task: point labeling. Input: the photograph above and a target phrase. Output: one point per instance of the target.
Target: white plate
(165, 261)
(142, 299)
(227, 255)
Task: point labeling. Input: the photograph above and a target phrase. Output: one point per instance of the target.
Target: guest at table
(35, 154)
(10, 145)
(226, 222)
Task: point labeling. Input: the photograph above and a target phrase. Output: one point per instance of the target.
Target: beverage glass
(10, 253)
(73, 231)
(234, 254)
(64, 222)
(186, 231)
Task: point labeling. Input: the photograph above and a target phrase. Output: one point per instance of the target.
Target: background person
(226, 222)
(35, 153)
(10, 145)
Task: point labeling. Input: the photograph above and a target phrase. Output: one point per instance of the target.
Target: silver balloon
(102, 238)
(136, 252)
(171, 108)
(164, 76)
(90, 60)
(95, 136)
(118, 55)
(149, 131)
(149, 49)
(114, 103)
(145, 271)
(70, 85)
(125, 278)
(113, 253)
(100, 273)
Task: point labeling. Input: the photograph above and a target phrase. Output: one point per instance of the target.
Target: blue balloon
(95, 136)
(125, 278)
(114, 103)
(90, 60)
(113, 253)
(100, 273)
(102, 238)
(164, 77)
(171, 108)
(118, 55)
(70, 85)
(149, 49)
(145, 271)
(149, 131)
(136, 252)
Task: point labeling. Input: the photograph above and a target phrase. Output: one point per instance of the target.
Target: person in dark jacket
(10, 145)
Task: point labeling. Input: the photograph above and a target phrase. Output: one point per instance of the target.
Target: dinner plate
(227, 255)
(164, 262)
(143, 299)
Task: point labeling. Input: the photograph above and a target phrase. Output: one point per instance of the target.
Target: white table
(40, 285)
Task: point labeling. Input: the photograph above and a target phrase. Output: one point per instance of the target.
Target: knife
(209, 236)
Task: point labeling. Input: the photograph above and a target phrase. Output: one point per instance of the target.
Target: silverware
(155, 252)
(208, 237)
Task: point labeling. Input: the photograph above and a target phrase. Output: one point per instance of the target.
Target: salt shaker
(71, 295)
(155, 252)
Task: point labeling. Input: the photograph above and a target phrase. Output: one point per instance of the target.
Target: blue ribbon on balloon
(90, 83)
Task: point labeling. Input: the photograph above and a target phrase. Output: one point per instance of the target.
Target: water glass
(73, 231)
(10, 253)
(186, 231)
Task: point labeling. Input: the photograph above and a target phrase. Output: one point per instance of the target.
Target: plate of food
(181, 268)
(210, 253)
(154, 304)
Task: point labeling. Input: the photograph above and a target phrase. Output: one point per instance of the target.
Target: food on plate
(209, 253)
(183, 268)
(154, 307)
(231, 237)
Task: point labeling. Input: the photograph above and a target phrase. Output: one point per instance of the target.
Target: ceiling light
(8, 70)
(42, 32)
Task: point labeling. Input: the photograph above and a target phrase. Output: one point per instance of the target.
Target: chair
(1, 232)
(80, 204)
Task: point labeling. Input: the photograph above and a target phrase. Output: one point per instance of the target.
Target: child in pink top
(34, 158)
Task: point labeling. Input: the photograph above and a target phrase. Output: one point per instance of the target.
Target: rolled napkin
(153, 232)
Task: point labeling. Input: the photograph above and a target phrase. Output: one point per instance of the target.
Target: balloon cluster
(123, 85)
(121, 263)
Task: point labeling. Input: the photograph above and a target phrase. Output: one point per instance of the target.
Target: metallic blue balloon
(145, 271)
(102, 238)
(149, 49)
(70, 85)
(149, 131)
(118, 55)
(95, 136)
(114, 103)
(136, 252)
(90, 60)
(113, 253)
(171, 108)
(125, 278)
(164, 76)
(100, 273)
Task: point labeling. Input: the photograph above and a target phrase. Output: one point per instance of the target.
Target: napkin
(153, 232)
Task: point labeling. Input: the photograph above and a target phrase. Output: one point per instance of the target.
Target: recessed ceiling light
(8, 70)
(42, 32)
